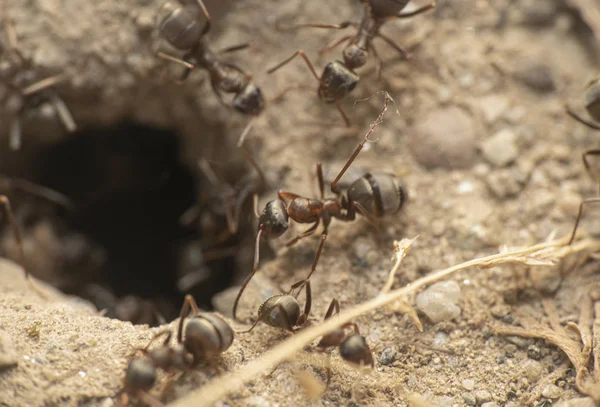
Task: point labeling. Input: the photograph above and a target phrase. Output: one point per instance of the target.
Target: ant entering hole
(118, 239)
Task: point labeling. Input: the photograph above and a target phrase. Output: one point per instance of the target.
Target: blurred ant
(206, 337)
(372, 195)
(339, 78)
(141, 374)
(353, 347)
(17, 98)
(591, 101)
(180, 27)
(283, 310)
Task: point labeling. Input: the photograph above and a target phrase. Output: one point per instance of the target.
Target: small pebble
(537, 76)
(493, 106)
(440, 339)
(446, 139)
(500, 149)
(483, 396)
(552, 391)
(578, 402)
(533, 352)
(490, 404)
(8, 354)
(439, 302)
(469, 398)
(518, 341)
(505, 183)
(468, 384)
(387, 356)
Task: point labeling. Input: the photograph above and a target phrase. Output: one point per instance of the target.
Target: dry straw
(543, 254)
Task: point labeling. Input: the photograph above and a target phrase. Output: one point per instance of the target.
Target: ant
(283, 310)
(591, 101)
(353, 347)
(180, 27)
(206, 337)
(18, 98)
(339, 78)
(372, 195)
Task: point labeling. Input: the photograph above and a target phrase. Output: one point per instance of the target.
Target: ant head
(337, 81)
(354, 349)
(591, 99)
(355, 56)
(280, 311)
(274, 219)
(141, 374)
(249, 101)
(207, 335)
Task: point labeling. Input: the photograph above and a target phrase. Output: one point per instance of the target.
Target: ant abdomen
(249, 101)
(274, 219)
(591, 99)
(379, 194)
(387, 8)
(141, 374)
(354, 349)
(337, 81)
(271, 311)
(179, 27)
(207, 335)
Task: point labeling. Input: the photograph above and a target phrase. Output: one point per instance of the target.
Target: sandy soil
(482, 145)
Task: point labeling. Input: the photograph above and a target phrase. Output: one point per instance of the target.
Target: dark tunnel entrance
(129, 189)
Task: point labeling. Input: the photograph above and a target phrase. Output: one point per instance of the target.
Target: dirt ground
(488, 158)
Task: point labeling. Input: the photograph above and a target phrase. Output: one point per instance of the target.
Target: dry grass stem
(540, 254)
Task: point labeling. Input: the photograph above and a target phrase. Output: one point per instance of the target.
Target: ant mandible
(591, 101)
(339, 78)
(372, 195)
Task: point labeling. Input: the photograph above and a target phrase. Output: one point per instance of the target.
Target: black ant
(283, 310)
(180, 28)
(339, 78)
(206, 337)
(18, 98)
(372, 195)
(591, 101)
(353, 347)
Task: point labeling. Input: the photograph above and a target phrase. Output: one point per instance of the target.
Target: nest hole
(119, 240)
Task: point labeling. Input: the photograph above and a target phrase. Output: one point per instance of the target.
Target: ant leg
(317, 256)
(281, 94)
(334, 44)
(234, 48)
(245, 133)
(403, 51)
(188, 302)
(338, 105)
(304, 234)
(308, 304)
(287, 195)
(321, 181)
(158, 335)
(416, 12)
(64, 113)
(328, 366)
(255, 205)
(177, 60)
(378, 62)
(16, 231)
(38, 191)
(581, 204)
(206, 27)
(306, 60)
(580, 119)
(341, 26)
(16, 133)
(251, 328)
(253, 163)
(42, 84)
(334, 309)
(149, 400)
(362, 143)
(585, 161)
(254, 270)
